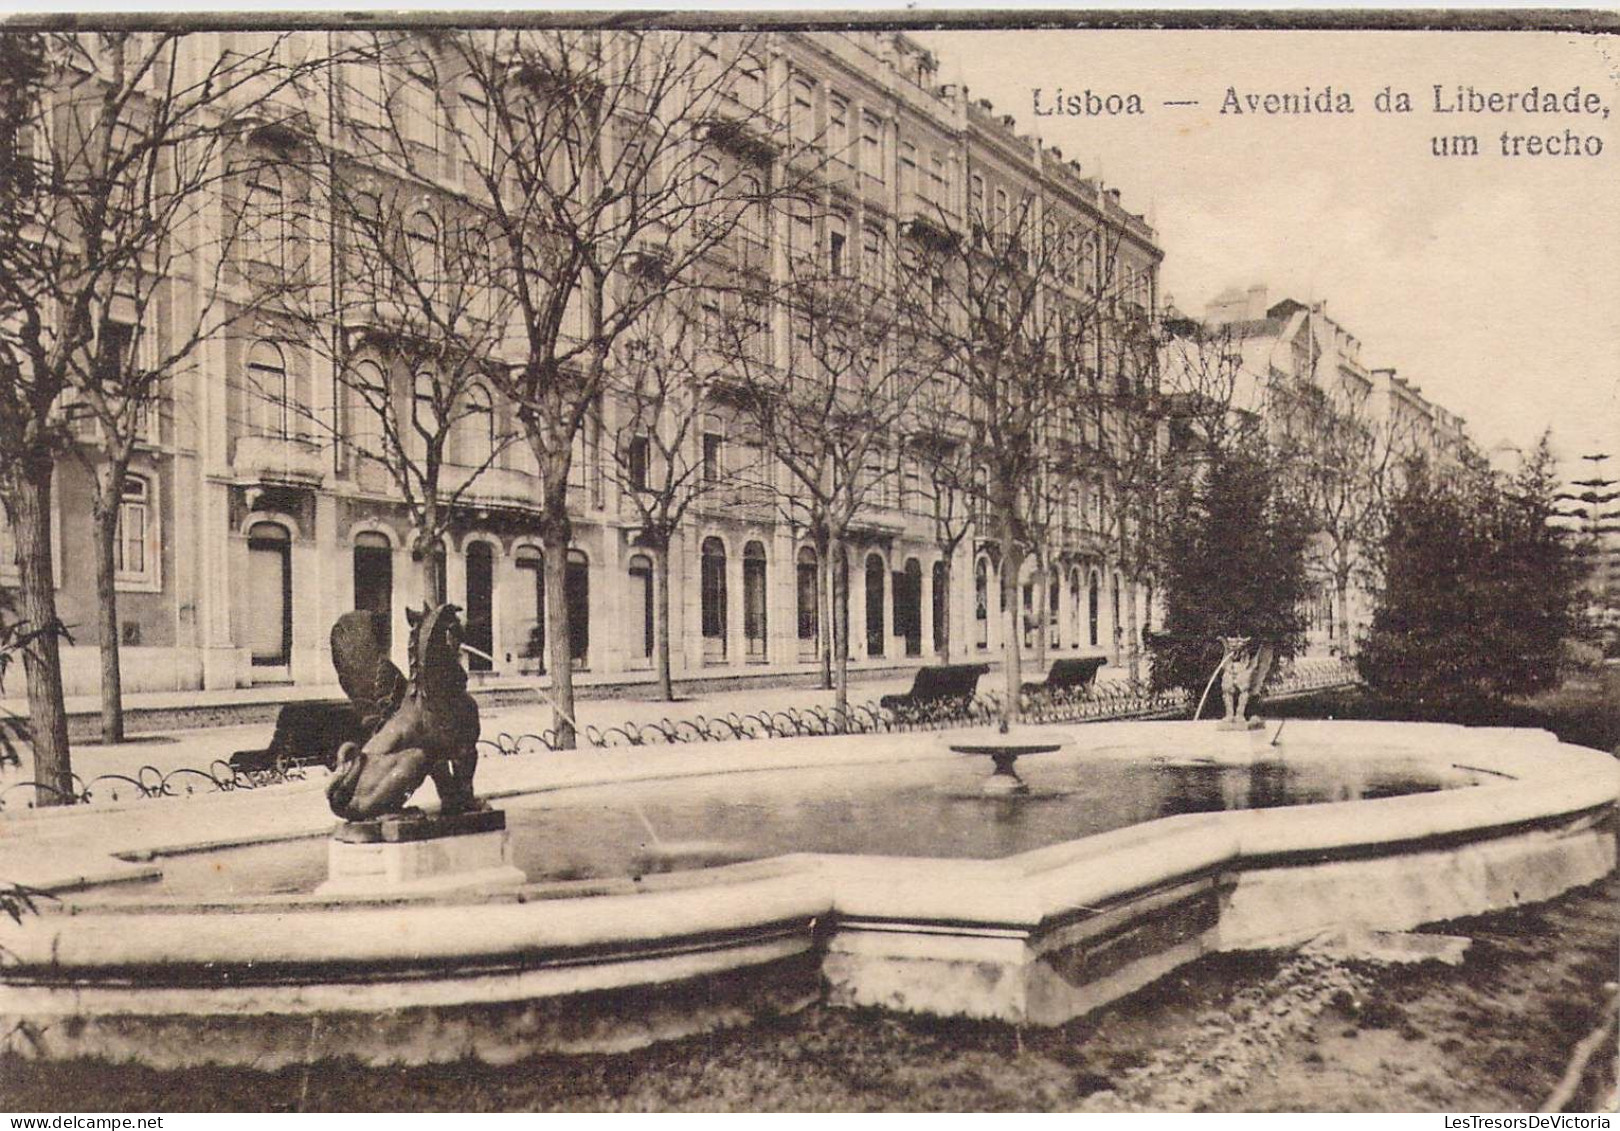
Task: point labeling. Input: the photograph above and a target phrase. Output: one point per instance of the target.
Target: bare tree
(1126, 408)
(660, 384)
(114, 150)
(416, 332)
(1341, 468)
(1018, 314)
(937, 437)
(832, 409)
(1211, 402)
(609, 166)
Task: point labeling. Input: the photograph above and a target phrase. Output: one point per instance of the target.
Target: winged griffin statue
(1247, 664)
(421, 727)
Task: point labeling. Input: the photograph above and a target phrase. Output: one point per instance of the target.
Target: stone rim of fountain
(974, 937)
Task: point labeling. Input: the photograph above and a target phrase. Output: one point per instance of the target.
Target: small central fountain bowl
(1004, 749)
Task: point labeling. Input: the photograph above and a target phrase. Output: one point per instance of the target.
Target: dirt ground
(1263, 1032)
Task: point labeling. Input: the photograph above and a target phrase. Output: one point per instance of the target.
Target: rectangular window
(939, 185)
(748, 88)
(113, 352)
(802, 233)
(415, 112)
(835, 252)
(637, 461)
(872, 253)
(804, 109)
(838, 128)
(713, 468)
(135, 548)
(908, 173)
(872, 146)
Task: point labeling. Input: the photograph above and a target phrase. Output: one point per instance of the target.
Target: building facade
(247, 528)
(1301, 370)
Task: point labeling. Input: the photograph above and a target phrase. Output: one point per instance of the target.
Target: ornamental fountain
(858, 871)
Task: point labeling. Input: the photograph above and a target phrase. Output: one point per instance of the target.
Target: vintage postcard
(793, 562)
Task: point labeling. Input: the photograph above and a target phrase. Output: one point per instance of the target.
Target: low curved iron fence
(1107, 702)
(149, 781)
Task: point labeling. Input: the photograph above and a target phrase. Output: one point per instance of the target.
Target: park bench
(306, 733)
(938, 688)
(1067, 676)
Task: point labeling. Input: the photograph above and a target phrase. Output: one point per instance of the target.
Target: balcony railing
(492, 487)
(751, 137)
(287, 460)
(924, 221)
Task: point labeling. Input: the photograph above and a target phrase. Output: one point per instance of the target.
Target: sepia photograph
(809, 562)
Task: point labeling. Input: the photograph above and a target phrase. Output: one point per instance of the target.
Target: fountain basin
(1037, 937)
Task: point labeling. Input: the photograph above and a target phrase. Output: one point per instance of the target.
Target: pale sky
(1492, 282)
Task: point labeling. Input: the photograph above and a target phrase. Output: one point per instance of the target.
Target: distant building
(1302, 372)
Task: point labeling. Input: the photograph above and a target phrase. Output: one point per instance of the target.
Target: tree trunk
(824, 612)
(666, 686)
(1133, 634)
(1342, 614)
(42, 657)
(840, 626)
(1013, 610)
(942, 629)
(559, 632)
(110, 481)
(1038, 579)
(431, 562)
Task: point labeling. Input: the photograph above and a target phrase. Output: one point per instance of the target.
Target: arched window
(1054, 598)
(374, 581)
(422, 251)
(639, 622)
(424, 414)
(1075, 601)
(754, 601)
(528, 559)
(480, 608)
(750, 221)
(577, 595)
(477, 428)
(981, 604)
(269, 391)
(908, 606)
(368, 409)
(1094, 601)
(876, 574)
(942, 607)
(808, 577)
(267, 601)
(712, 583)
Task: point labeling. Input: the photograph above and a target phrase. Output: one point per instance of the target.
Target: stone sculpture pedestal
(416, 854)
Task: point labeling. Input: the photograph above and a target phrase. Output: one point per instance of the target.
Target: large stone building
(246, 531)
(1301, 371)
